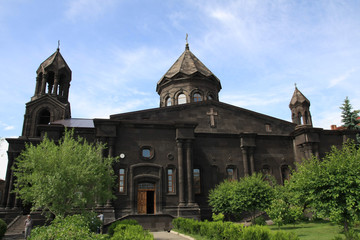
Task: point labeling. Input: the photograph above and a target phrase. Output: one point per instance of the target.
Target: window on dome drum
(230, 173)
(181, 98)
(168, 101)
(197, 183)
(197, 97)
(170, 180)
(121, 180)
(210, 97)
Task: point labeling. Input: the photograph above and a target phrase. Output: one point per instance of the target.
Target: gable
(214, 117)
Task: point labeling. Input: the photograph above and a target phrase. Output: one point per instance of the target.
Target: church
(173, 155)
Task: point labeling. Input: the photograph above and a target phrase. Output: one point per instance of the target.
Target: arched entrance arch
(146, 188)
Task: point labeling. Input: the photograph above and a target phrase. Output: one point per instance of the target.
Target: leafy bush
(218, 217)
(131, 232)
(229, 231)
(75, 227)
(3, 228)
(124, 222)
(260, 221)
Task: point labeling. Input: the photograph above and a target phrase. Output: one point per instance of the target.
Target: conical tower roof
(187, 65)
(298, 98)
(56, 61)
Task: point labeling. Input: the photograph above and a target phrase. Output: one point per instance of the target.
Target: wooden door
(142, 201)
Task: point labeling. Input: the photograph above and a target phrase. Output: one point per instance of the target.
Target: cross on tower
(212, 115)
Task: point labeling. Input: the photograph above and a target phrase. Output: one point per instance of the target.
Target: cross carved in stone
(212, 115)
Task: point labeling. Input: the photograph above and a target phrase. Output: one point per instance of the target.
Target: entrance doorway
(146, 198)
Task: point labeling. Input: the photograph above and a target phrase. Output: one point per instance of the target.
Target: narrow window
(181, 98)
(121, 180)
(197, 184)
(285, 173)
(300, 120)
(171, 180)
(168, 101)
(197, 97)
(230, 174)
(268, 128)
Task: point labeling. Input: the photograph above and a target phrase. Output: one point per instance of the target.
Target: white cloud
(339, 79)
(7, 128)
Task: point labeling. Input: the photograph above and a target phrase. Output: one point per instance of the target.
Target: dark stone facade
(172, 156)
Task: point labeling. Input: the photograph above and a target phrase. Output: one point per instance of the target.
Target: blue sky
(118, 50)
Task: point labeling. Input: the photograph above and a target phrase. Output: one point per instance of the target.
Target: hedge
(229, 231)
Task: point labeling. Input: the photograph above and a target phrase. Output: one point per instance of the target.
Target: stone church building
(173, 155)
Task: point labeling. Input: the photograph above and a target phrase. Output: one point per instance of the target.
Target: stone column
(131, 190)
(111, 142)
(251, 155)
(181, 173)
(190, 177)
(43, 84)
(8, 202)
(245, 161)
(56, 84)
(38, 80)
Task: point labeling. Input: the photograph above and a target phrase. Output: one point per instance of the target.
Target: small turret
(50, 100)
(300, 109)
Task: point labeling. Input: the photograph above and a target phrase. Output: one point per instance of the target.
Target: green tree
(220, 198)
(349, 117)
(332, 186)
(250, 193)
(59, 178)
(285, 209)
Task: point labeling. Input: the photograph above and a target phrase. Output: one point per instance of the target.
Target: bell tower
(300, 109)
(50, 100)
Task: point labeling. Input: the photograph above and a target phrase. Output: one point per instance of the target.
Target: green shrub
(256, 233)
(75, 227)
(229, 231)
(260, 221)
(124, 222)
(131, 232)
(218, 217)
(3, 228)
(278, 235)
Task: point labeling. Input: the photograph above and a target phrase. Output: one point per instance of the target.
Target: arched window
(300, 118)
(210, 97)
(168, 101)
(230, 173)
(44, 117)
(285, 173)
(197, 97)
(181, 98)
(50, 82)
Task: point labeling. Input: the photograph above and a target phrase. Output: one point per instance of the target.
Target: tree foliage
(349, 117)
(250, 194)
(75, 227)
(286, 207)
(332, 186)
(59, 178)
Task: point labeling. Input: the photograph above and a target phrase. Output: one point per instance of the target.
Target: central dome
(187, 80)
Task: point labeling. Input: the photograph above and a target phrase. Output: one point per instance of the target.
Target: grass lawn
(320, 230)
